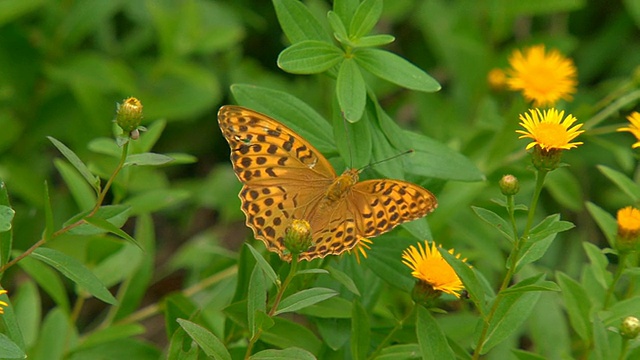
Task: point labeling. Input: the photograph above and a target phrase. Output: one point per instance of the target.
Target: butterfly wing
(284, 176)
(380, 205)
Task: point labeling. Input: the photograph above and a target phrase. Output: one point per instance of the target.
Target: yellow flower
(634, 127)
(497, 79)
(628, 228)
(361, 248)
(431, 268)
(543, 78)
(2, 303)
(549, 130)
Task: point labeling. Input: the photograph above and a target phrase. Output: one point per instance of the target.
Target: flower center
(551, 135)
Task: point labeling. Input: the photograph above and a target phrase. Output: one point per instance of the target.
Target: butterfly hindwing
(381, 205)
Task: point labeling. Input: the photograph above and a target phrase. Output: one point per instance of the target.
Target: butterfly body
(285, 178)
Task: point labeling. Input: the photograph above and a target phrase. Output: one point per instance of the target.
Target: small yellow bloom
(549, 130)
(543, 78)
(2, 303)
(634, 127)
(361, 248)
(431, 268)
(297, 237)
(628, 228)
(497, 79)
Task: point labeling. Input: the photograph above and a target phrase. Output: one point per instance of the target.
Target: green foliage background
(65, 64)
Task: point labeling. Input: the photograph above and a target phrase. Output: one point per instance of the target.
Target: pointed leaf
(93, 180)
(292, 353)
(393, 68)
(83, 194)
(208, 342)
(578, 305)
(75, 271)
(107, 226)
(257, 298)
(6, 237)
(146, 159)
(9, 349)
(494, 220)
(432, 340)
(351, 90)
(304, 298)
(343, 279)
(309, 57)
(297, 22)
(360, 331)
(607, 223)
(622, 181)
(263, 264)
(366, 16)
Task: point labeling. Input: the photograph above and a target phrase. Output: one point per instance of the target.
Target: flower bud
(630, 327)
(546, 159)
(129, 115)
(509, 185)
(297, 237)
(628, 229)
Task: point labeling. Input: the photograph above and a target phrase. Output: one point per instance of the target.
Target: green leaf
(83, 194)
(511, 313)
(534, 283)
(335, 307)
(117, 215)
(354, 140)
(340, 31)
(263, 264)
(343, 279)
(109, 227)
(432, 340)
(577, 304)
(304, 298)
(257, 298)
(297, 22)
(51, 345)
(27, 307)
(599, 263)
(404, 351)
(111, 333)
(178, 306)
(10, 325)
(12, 10)
(367, 15)
(309, 57)
(48, 214)
(436, 160)
(6, 218)
(607, 223)
(494, 220)
(289, 110)
(549, 226)
(393, 68)
(75, 271)
(603, 349)
(146, 159)
(623, 182)
(620, 310)
(311, 271)
(9, 349)
(525, 355)
(469, 279)
(360, 331)
(351, 90)
(47, 279)
(374, 40)
(532, 251)
(155, 200)
(208, 342)
(6, 237)
(93, 180)
(292, 353)
(285, 333)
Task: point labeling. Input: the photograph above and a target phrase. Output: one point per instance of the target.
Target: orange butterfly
(285, 178)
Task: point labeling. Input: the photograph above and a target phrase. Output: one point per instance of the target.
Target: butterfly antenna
(385, 160)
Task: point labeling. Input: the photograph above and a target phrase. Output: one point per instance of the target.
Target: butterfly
(285, 179)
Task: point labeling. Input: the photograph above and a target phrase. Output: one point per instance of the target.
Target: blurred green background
(65, 64)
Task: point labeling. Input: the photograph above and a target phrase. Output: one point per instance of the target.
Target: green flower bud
(129, 115)
(630, 327)
(509, 185)
(297, 237)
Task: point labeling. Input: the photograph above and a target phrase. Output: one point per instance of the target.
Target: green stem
(65, 229)
(276, 302)
(515, 252)
(512, 218)
(622, 260)
(624, 350)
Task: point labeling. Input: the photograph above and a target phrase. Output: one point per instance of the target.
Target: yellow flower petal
(543, 78)
(634, 127)
(429, 266)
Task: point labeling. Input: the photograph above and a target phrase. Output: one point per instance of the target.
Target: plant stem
(276, 302)
(519, 243)
(621, 265)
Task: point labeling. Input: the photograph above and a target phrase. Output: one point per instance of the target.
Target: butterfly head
(342, 184)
